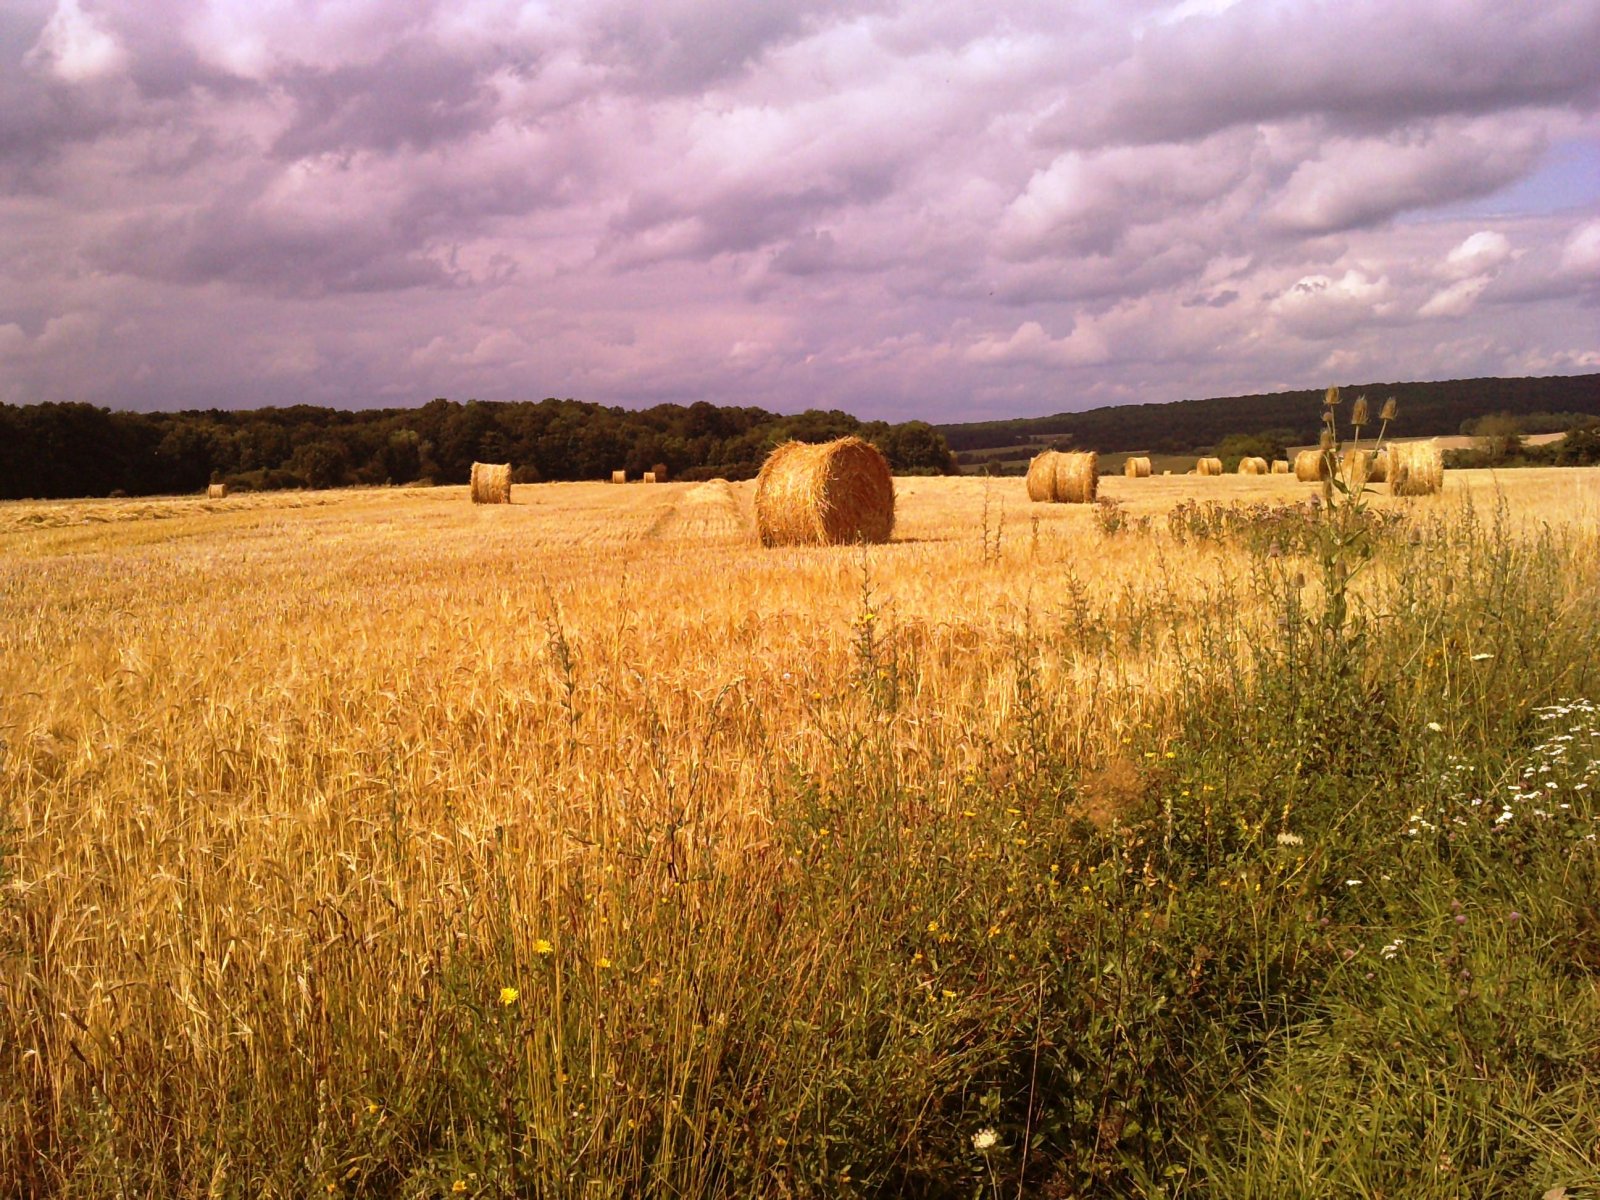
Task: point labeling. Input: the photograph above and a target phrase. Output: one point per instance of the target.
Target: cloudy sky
(898, 207)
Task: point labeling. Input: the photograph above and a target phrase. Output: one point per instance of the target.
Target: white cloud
(1319, 306)
(1482, 254)
(76, 46)
(1580, 256)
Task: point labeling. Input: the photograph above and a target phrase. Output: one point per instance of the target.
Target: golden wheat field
(270, 761)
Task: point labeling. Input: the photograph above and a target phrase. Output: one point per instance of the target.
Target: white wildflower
(983, 1141)
(1436, 727)
(1290, 839)
(1481, 657)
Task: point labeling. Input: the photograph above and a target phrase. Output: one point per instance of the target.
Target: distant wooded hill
(51, 451)
(1188, 426)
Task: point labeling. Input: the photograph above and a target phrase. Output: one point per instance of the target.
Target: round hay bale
(1137, 468)
(619, 477)
(1280, 466)
(216, 491)
(1077, 477)
(491, 483)
(1415, 468)
(1378, 469)
(1309, 466)
(1042, 476)
(1252, 466)
(1208, 466)
(649, 476)
(824, 495)
(1355, 468)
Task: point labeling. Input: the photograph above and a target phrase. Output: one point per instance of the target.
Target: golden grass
(244, 831)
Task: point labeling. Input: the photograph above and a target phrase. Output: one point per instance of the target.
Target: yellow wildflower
(543, 947)
(508, 996)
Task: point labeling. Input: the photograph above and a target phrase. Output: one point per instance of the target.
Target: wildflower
(1481, 657)
(1435, 727)
(1352, 883)
(372, 1108)
(603, 963)
(1290, 839)
(984, 1140)
(543, 947)
(508, 996)
(1514, 916)
(459, 1186)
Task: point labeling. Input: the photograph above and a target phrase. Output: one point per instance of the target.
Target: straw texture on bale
(216, 491)
(649, 476)
(1042, 476)
(1137, 468)
(1252, 466)
(1208, 466)
(1415, 468)
(1309, 466)
(491, 483)
(619, 477)
(1077, 477)
(1378, 468)
(824, 495)
(1280, 466)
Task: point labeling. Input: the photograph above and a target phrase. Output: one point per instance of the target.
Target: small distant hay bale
(1280, 466)
(660, 472)
(1042, 477)
(491, 483)
(831, 494)
(1137, 468)
(1077, 477)
(1166, 472)
(649, 476)
(619, 477)
(216, 491)
(1309, 466)
(1252, 466)
(1415, 468)
(1378, 468)
(1208, 466)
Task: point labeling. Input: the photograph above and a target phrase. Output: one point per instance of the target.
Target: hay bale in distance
(1415, 468)
(216, 491)
(491, 483)
(649, 477)
(1252, 465)
(824, 495)
(1042, 476)
(1280, 466)
(619, 477)
(1309, 466)
(1355, 468)
(1077, 477)
(1137, 468)
(1208, 466)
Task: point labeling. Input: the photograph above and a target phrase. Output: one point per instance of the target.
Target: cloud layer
(900, 209)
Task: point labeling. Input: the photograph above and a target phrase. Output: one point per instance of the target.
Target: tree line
(52, 451)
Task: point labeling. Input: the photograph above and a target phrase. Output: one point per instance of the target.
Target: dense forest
(1290, 418)
(58, 450)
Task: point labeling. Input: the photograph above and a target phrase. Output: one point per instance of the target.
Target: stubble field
(375, 843)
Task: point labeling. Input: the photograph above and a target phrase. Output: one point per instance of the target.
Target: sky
(902, 208)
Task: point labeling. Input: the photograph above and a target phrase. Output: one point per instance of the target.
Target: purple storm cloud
(926, 209)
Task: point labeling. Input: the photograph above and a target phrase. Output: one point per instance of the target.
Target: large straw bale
(1137, 468)
(491, 483)
(1251, 465)
(1208, 466)
(1077, 477)
(1415, 468)
(824, 495)
(1378, 468)
(1310, 466)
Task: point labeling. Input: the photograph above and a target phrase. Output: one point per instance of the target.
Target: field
(375, 843)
